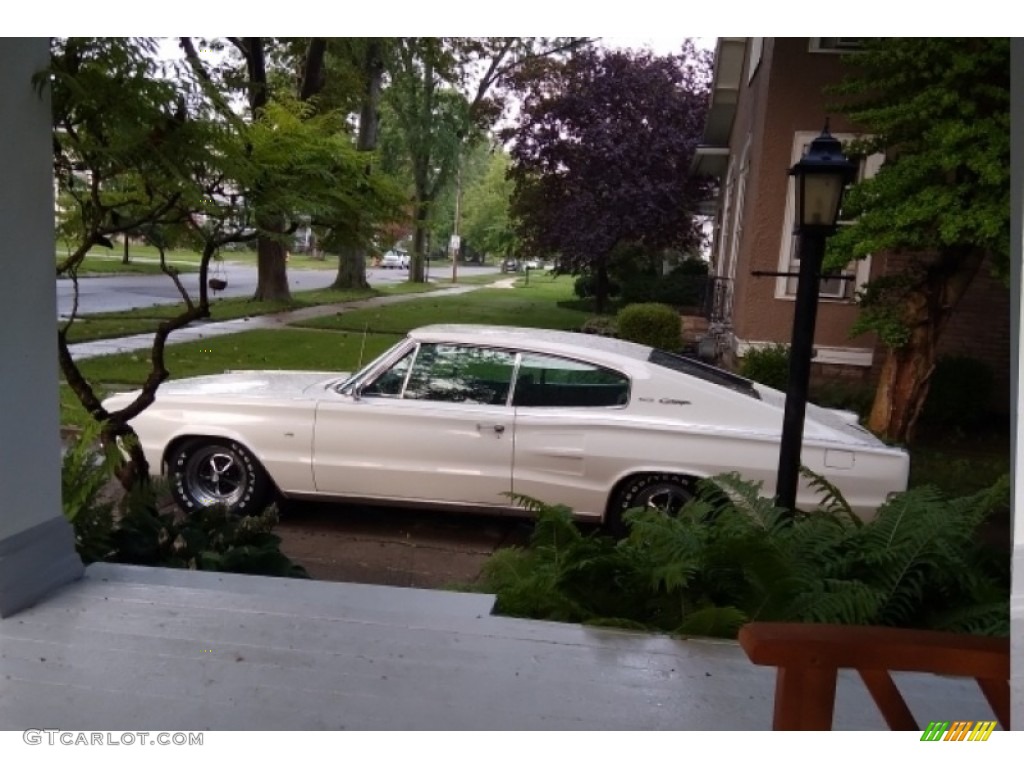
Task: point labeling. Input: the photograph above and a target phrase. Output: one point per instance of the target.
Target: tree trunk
(272, 283)
(907, 370)
(352, 260)
(369, 114)
(601, 289)
(902, 389)
(351, 269)
(271, 272)
(126, 257)
(419, 239)
(133, 473)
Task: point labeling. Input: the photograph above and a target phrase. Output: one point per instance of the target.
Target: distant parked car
(395, 260)
(534, 264)
(510, 265)
(463, 416)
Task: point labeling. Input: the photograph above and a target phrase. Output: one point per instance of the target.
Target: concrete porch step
(296, 596)
(149, 649)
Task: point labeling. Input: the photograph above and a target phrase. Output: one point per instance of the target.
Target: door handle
(498, 428)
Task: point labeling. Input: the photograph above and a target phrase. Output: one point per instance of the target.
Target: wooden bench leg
(805, 699)
(997, 692)
(889, 700)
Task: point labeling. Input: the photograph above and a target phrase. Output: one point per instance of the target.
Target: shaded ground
(379, 545)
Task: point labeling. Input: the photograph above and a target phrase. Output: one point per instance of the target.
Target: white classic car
(463, 416)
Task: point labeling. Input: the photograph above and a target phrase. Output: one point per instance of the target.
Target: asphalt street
(117, 293)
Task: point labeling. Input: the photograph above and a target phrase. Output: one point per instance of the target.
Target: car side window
(545, 381)
(461, 374)
(390, 383)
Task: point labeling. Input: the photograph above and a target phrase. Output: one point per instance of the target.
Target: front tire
(664, 492)
(205, 472)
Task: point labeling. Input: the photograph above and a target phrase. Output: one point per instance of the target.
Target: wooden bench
(809, 656)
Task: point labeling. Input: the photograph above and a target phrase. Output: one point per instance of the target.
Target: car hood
(250, 384)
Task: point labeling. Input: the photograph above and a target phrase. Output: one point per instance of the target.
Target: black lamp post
(820, 177)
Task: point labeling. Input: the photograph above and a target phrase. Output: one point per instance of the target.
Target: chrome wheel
(204, 472)
(665, 493)
(669, 498)
(215, 474)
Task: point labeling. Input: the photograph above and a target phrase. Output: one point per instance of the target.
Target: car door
(435, 426)
(569, 432)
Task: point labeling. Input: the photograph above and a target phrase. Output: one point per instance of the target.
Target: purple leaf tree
(601, 156)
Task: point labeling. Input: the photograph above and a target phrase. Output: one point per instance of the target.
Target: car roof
(596, 349)
(538, 339)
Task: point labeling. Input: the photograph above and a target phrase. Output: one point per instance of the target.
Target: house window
(724, 224)
(835, 44)
(738, 203)
(756, 49)
(844, 285)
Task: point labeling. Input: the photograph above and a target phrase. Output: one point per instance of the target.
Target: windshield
(704, 372)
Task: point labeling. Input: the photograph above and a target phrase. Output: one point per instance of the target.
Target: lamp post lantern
(820, 178)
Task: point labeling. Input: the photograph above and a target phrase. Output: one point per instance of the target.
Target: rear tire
(207, 471)
(662, 491)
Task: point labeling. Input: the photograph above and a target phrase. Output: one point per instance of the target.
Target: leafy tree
(319, 80)
(939, 109)
(368, 59)
(601, 157)
(486, 221)
(274, 226)
(141, 148)
(443, 93)
(125, 145)
(433, 117)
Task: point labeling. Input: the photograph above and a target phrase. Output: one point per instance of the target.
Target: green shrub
(655, 325)
(960, 394)
(600, 325)
(919, 564)
(86, 471)
(768, 365)
(845, 395)
(584, 287)
(683, 287)
(139, 533)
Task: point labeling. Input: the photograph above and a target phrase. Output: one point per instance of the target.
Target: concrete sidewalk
(206, 329)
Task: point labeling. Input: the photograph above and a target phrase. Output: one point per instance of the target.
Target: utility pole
(456, 242)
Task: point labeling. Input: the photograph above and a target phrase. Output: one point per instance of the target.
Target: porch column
(37, 548)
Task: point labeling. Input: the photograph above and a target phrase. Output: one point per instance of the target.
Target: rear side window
(547, 382)
(703, 371)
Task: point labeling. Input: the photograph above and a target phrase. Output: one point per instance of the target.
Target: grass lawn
(110, 325)
(335, 345)
(285, 349)
(184, 259)
(96, 265)
(539, 305)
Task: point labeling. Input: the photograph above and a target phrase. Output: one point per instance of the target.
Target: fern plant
(86, 470)
(730, 556)
(135, 530)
